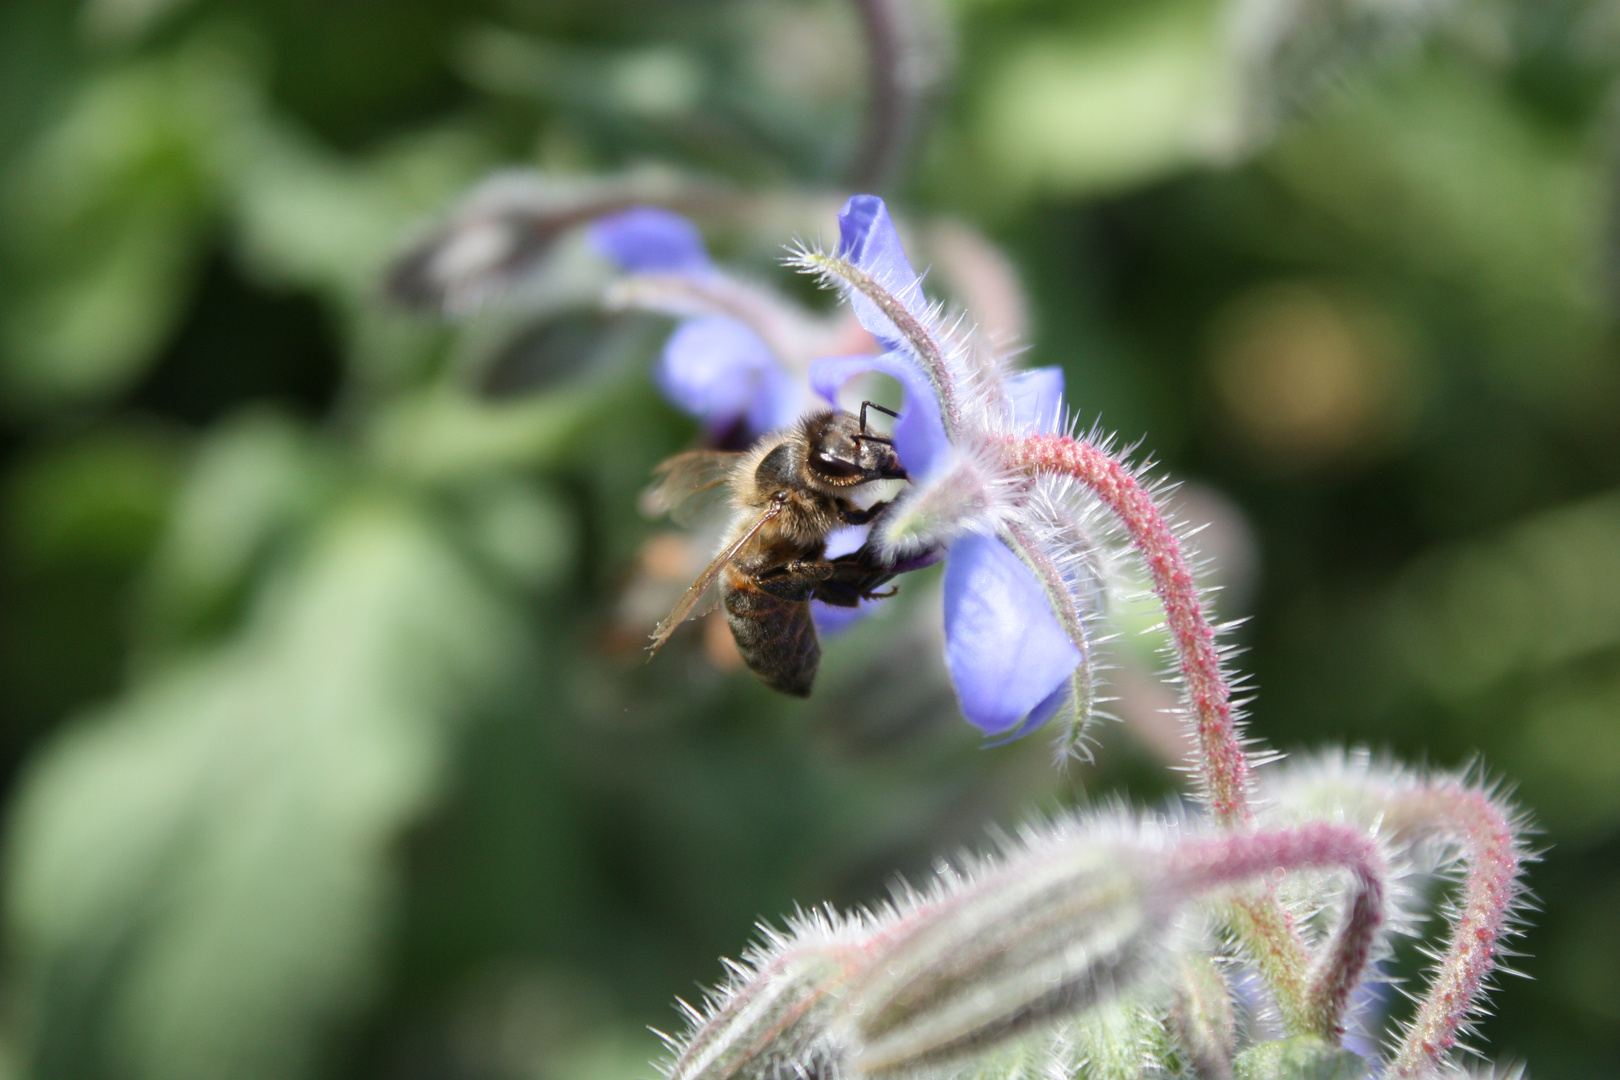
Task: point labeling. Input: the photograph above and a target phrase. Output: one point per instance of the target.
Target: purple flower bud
(719, 370)
(650, 240)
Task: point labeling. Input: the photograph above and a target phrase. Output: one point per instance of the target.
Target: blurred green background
(327, 746)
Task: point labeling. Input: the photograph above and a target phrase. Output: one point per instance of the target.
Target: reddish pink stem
(1317, 845)
(1273, 939)
(1223, 765)
(1490, 891)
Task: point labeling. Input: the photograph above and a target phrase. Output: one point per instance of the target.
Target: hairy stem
(924, 347)
(1317, 1002)
(1491, 889)
(1345, 959)
(1269, 933)
(1223, 766)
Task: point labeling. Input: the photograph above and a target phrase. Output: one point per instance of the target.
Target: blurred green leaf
(1288, 54)
(209, 865)
(1443, 173)
(100, 498)
(253, 479)
(1544, 594)
(443, 436)
(127, 20)
(1567, 754)
(311, 219)
(92, 334)
(1101, 107)
(103, 220)
(523, 531)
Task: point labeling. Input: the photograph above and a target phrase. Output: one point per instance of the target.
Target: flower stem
(1314, 1001)
(1491, 889)
(1223, 766)
(1309, 1003)
(905, 66)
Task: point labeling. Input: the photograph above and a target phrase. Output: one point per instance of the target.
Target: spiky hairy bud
(1200, 1018)
(1049, 934)
(1076, 914)
(775, 1019)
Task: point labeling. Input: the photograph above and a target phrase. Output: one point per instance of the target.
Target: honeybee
(788, 494)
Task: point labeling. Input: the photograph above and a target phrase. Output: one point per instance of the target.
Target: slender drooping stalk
(905, 66)
(1491, 891)
(1222, 765)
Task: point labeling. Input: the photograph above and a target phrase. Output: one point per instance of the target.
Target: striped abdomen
(776, 637)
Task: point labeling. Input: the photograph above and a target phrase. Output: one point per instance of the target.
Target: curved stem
(1273, 940)
(1314, 846)
(903, 68)
(1223, 766)
(1491, 889)
(1318, 1000)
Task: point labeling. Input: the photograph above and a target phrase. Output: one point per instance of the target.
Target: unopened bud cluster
(1079, 920)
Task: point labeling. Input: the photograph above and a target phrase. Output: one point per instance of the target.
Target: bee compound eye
(835, 468)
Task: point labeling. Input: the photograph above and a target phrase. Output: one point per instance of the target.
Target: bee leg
(840, 594)
(853, 579)
(797, 580)
(852, 516)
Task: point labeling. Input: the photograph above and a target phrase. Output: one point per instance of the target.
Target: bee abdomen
(776, 638)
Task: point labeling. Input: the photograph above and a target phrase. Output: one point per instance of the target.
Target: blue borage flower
(1020, 568)
(739, 355)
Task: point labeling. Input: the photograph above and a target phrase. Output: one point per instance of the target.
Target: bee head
(841, 452)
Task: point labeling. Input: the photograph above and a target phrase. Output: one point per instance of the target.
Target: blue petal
(867, 238)
(1006, 653)
(650, 240)
(846, 539)
(919, 436)
(720, 371)
(831, 619)
(1035, 398)
(1039, 715)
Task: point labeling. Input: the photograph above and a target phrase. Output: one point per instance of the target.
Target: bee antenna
(873, 405)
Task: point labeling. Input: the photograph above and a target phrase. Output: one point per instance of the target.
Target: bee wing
(689, 599)
(684, 477)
